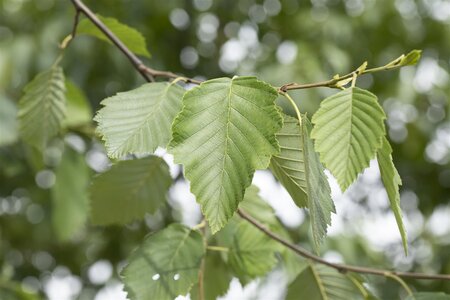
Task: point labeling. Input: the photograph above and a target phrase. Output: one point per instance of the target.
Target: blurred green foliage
(280, 42)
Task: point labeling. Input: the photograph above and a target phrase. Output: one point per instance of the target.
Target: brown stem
(340, 267)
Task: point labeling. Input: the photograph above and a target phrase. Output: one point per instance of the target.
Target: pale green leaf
(320, 282)
(298, 168)
(216, 278)
(224, 132)
(8, 123)
(258, 208)
(391, 180)
(429, 296)
(128, 190)
(132, 38)
(43, 107)
(140, 120)
(348, 128)
(79, 109)
(165, 265)
(69, 195)
(251, 253)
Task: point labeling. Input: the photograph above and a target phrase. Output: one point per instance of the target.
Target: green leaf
(391, 180)
(129, 189)
(224, 132)
(140, 120)
(43, 107)
(165, 265)
(348, 129)
(216, 278)
(298, 168)
(8, 123)
(132, 38)
(429, 296)
(251, 253)
(320, 282)
(79, 109)
(258, 208)
(411, 58)
(69, 195)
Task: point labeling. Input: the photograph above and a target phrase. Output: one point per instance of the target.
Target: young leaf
(8, 122)
(128, 190)
(391, 180)
(165, 265)
(140, 120)
(348, 131)
(132, 38)
(298, 168)
(69, 195)
(320, 282)
(216, 278)
(43, 107)
(411, 58)
(224, 132)
(79, 109)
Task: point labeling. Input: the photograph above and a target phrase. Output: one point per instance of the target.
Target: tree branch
(340, 267)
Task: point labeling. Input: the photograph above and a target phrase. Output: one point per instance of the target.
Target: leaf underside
(129, 190)
(224, 132)
(140, 120)
(165, 265)
(43, 107)
(320, 282)
(348, 130)
(391, 180)
(299, 169)
(132, 38)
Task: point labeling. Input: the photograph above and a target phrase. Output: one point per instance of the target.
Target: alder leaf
(429, 296)
(256, 207)
(299, 169)
(251, 253)
(224, 132)
(165, 266)
(320, 282)
(140, 120)
(79, 109)
(348, 128)
(69, 195)
(132, 38)
(43, 107)
(9, 132)
(391, 180)
(216, 278)
(128, 190)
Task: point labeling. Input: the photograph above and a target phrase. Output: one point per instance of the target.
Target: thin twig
(340, 267)
(148, 73)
